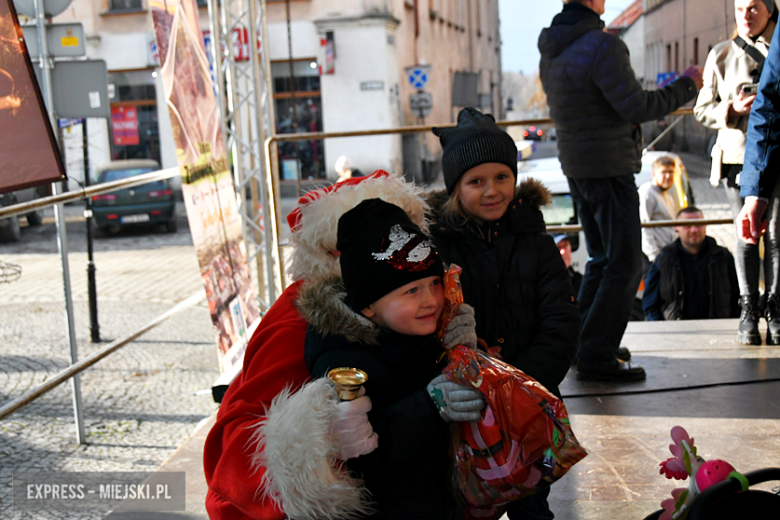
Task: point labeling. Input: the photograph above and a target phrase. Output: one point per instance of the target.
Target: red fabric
(294, 218)
(273, 361)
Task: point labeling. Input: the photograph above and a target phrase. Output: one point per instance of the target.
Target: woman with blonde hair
(730, 79)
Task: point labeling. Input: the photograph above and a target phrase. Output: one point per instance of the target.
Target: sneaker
(623, 353)
(615, 371)
(773, 320)
(747, 333)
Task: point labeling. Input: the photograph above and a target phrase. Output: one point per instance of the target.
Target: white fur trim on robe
(303, 475)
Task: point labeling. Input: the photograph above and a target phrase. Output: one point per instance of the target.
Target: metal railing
(83, 193)
(271, 164)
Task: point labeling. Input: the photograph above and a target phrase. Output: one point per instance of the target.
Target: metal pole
(94, 326)
(62, 239)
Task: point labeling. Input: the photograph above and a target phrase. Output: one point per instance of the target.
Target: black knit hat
(476, 140)
(380, 250)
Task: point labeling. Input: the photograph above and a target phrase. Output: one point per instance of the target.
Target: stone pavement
(712, 201)
(141, 402)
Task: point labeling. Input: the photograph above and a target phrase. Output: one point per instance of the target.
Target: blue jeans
(609, 213)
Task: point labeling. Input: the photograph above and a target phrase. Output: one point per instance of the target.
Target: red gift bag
(524, 440)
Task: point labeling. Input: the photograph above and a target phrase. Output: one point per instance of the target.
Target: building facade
(678, 34)
(349, 62)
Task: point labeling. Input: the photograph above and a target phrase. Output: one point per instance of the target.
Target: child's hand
(350, 431)
(462, 329)
(456, 402)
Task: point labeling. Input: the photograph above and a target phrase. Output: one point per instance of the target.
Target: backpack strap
(753, 53)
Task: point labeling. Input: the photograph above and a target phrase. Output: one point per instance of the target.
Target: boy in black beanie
(385, 326)
(513, 274)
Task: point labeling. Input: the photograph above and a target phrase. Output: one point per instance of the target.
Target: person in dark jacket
(392, 280)
(564, 248)
(693, 278)
(513, 274)
(597, 105)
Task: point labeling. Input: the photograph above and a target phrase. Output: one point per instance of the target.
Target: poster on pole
(207, 184)
(28, 149)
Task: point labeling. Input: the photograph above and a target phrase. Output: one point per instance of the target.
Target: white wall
(362, 55)
(634, 38)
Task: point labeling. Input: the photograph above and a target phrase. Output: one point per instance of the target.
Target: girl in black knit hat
(513, 274)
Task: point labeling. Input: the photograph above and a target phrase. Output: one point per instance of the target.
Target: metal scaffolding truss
(244, 92)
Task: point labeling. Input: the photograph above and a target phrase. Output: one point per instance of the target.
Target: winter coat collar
(568, 26)
(322, 305)
(708, 244)
(522, 216)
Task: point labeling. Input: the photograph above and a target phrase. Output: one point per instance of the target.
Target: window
(125, 5)
(134, 122)
(676, 56)
(308, 118)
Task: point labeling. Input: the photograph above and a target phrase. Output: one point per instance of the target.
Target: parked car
(10, 228)
(151, 203)
(533, 133)
(562, 210)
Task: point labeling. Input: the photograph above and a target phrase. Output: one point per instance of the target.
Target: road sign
(664, 78)
(50, 7)
(418, 76)
(80, 89)
(64, 39)
(421, 103)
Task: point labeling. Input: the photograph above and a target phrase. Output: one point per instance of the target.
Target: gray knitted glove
(456, 402)
(462, 329)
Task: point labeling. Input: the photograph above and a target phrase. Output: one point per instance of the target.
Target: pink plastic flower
(673, 468)
(668, 504)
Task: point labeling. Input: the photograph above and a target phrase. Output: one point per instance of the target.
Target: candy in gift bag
(524, 440)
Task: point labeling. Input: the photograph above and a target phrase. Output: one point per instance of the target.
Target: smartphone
(749, 89)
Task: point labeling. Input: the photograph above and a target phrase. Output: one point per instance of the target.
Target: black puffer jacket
(407, 473)
(515, 278)
(594, 97)
(665, 293)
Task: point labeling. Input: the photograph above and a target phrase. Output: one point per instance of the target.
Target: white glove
(462, 329)
(456, 402)
(350, 431)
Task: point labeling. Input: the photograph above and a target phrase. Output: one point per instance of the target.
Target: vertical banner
(207, 184)
(28, 151)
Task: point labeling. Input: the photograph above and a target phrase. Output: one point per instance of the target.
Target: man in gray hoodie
(597, 105)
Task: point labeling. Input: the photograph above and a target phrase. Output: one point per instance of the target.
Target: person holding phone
(731, 76)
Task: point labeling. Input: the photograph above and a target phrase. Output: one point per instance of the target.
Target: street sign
(418, 76)
(80, 89)
(50, 7)
(421, 103)
(64, 40)
(664, 78)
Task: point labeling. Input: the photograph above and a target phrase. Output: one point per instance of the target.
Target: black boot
(773, 320)
(747, 333)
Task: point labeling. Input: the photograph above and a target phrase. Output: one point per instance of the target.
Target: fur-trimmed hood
(317, 219)
(322, 305)
(530, 196)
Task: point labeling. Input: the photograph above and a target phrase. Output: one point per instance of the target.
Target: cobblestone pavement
(141, 402)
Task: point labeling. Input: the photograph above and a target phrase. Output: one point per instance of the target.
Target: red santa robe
(269, 451)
